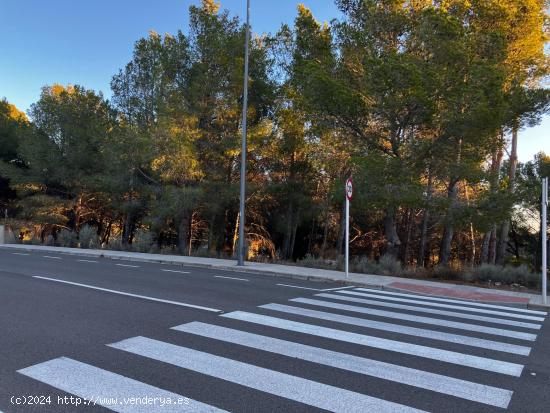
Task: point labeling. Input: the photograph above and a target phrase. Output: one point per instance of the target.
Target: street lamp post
(242, 247)
(544, 226)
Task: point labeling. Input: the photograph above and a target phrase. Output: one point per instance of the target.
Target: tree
(13, 123)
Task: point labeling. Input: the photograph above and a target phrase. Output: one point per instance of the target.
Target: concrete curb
(106, 254)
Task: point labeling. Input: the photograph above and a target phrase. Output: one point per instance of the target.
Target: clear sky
(85, 42)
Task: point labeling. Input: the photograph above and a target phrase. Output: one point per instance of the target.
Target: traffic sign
(349, 189)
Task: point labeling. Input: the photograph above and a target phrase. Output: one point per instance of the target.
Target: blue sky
(86, 42)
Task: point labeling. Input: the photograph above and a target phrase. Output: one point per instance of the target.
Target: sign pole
(349, 195)
(544, 226)
(347, 237)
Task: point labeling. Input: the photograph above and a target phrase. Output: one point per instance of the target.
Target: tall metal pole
(544, 226)
(242, 247)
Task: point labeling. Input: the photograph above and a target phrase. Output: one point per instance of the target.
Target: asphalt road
(204, 340)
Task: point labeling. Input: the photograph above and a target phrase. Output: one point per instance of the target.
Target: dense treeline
(421, 102)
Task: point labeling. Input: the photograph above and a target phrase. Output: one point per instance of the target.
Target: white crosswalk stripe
(451, 300)
(331, 333)
(110, 390)
(290, 387)
(455, 314)
(419, 319)
(452, 357)
(435, 382)
(396, 328)
(441, 305)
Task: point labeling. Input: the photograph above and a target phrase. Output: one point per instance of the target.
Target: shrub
(506, 275)
(88, 238)
(143, 241)
(11, 238)
(115, 244)
(389, 265)
(312, 261)
(35, 241)
(66, 238)
(364, 265)
(447, 273)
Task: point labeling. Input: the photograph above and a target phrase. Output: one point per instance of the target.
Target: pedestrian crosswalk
(353, 350)
(109, 389)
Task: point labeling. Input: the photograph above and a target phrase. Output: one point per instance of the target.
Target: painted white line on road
(448, 306)
(94, 262)
(404, 375)
(284, 385)
(102, 387)
(314, 289)
(397, 328)
(449, 300)
(143, 297)
(432, 311)
(482, 363)
(419, 319)
(231, 278)
(127, 265)
(298, 286)
(20, 253)
(51, 257)
(338, 288)
(179, 272)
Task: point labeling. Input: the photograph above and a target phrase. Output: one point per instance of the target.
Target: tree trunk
(293, 237)
(128, 228)
(183, 233)
(325, 230)
(342, 231)
(489, 241)
(236, 235)
(287, 239)
(390, 230)
(505, 229)
(448, 230)
(407, 246)
(425, 223)
(493, 246)
(484, 258)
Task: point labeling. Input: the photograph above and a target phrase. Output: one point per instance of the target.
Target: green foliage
(88, 238)
(412, 99)
(67, 238)
(143, 241)
(521, 275)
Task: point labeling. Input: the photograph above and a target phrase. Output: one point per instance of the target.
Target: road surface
(137, 337)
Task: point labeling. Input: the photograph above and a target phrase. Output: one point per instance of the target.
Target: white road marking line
(418, 378)
(102, 386)
(338, 288)
(175, 271)
(482, 363)
(20, 253)
(449, 306)
(419, 319)
(284, 385)
(449, 300)
(94, 262)
(298, 286)
(127, 265)
(433, 311)
(231, 278)
(143, 297)
(396, 328)
(51, 257)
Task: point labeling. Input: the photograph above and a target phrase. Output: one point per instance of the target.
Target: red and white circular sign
(349, 189)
